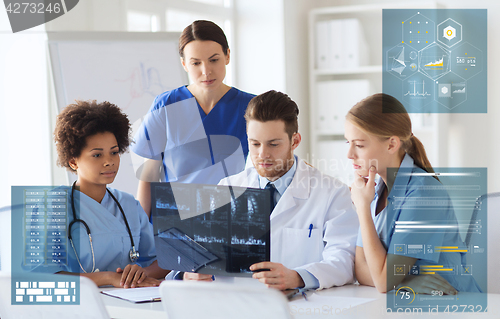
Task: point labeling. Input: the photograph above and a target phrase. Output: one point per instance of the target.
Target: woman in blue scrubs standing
(378, 130)
(195, 133)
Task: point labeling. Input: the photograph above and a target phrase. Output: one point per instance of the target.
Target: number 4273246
(27, 7)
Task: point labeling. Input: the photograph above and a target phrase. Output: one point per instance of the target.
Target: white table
(301, 309)
(377, 308)
(122, 309)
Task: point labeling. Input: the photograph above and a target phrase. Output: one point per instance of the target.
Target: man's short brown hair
(273, 106)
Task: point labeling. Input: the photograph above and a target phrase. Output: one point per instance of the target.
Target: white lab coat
(320, 200)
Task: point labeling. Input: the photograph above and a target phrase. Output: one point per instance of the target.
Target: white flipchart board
(125, 68)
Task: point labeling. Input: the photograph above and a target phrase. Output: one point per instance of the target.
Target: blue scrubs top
(195, 147)
(436, 227)
(110, 237)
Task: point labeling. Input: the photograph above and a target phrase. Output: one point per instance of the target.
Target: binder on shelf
(336, 39)
(322, 55)
(325, 106)
(340, 44)
(354, 44)
(334, 99)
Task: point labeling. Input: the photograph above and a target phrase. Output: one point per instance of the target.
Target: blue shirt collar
(406, 164)
(403, 176)
(284, 181)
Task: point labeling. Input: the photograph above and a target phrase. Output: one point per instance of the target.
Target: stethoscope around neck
(133, 254)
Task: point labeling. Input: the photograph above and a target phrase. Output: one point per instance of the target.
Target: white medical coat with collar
(320, 200)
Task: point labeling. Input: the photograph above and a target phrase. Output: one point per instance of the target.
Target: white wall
(92, 15)
(271, 52)
(259, 46)
(24, 119)
(296, 65)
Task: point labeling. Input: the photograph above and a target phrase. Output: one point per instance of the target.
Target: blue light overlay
(40, 247)
(435, 61)
(439, 221)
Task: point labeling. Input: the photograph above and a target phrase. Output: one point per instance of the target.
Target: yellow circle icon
(449, 32)
(411, 293)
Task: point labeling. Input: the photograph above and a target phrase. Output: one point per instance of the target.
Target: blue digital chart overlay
(442, 225)
(435, 60)
(40, 246)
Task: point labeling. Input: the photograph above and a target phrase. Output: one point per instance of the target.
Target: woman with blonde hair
(378, 130)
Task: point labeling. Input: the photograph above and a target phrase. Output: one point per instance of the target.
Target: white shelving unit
(328, 147)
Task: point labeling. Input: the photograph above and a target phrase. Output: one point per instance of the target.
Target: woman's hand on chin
(363, 190)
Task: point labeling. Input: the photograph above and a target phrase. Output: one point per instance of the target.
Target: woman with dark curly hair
(90, 138)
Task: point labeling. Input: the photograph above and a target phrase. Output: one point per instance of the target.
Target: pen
(303, 294)
(310, 230)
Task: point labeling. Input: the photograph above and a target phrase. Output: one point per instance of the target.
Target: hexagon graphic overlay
(418, 91)
(466, 60)
(449, 32)
(437, 61)
(451, 90)
(418, 31)
(401, 61)
(434, 61)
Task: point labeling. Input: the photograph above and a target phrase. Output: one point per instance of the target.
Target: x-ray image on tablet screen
(209, 229)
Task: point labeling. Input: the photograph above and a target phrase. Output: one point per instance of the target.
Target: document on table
(136, 295)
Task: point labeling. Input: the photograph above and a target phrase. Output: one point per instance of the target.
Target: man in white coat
(313, 225)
